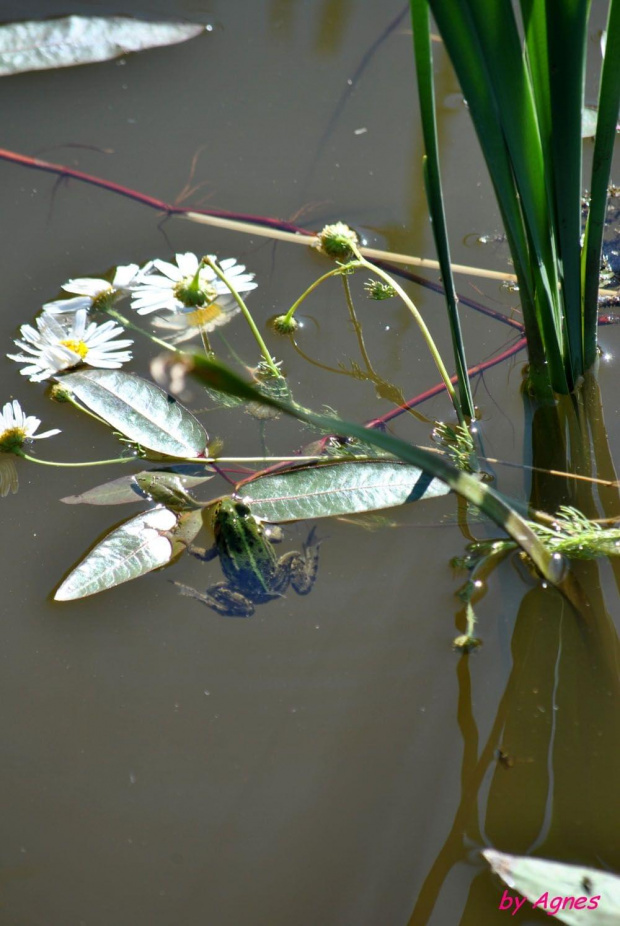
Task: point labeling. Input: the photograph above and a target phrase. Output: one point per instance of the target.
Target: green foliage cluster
(522, 70)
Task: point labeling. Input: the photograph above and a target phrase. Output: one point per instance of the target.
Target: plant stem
(422, 326)
(337, 271)
(117, 316)
(207, 261)
(87, 411)
(27, 456)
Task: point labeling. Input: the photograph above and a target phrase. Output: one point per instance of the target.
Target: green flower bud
(281, 324)
(59, 393)
(338, 241)
(376, 289)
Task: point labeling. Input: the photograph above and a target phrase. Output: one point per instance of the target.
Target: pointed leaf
(124, 490)
(335, 488)
(535, 878)
(141, 410)
(58, 43)
(136, 547)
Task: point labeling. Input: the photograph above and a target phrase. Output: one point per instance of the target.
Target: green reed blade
(567, 34)
(432, 178)
(609, 97)
(483, 43)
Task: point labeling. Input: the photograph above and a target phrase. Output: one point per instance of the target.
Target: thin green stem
(27, 456)
(207, 261)
(117, 316)
(424, 330)
(356, 325)
(82, 408)
(295, 459)
(332, 273)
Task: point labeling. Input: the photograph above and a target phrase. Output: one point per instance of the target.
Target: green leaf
(140, 410)
(58, 43)
(335, 488)
(535, 878)
(602, 157)
(434, 193)
(124, 490)
(136, 547)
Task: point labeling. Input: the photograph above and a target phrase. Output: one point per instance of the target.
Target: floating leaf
(141, 410)
(335, 488)
(556, 888)
(136, 547)
(125, 489)
(167, 490)
(59, 43)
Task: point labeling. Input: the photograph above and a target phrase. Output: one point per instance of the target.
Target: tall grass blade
(432, 178)
(609, 96)
(483, 42)
(567, 33)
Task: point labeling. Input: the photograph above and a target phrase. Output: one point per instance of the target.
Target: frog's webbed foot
(220, 598)
(206, 555)
(305, 566)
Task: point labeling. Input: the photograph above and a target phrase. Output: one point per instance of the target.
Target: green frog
(253, 572)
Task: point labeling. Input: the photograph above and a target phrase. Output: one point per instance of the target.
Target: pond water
(330, 760)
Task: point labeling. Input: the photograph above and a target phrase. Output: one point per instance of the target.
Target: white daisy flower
(187, 325)
(90, 291)
(16, 427)
(54, 346)
(187, 285)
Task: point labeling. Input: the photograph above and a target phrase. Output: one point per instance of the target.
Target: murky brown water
(330, 761)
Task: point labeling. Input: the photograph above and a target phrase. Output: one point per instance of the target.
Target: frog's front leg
(302, 568)
(220, 598)
(205, 554)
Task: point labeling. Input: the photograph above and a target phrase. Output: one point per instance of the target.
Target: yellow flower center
(200, 318)
(78, 347)
(12, 439)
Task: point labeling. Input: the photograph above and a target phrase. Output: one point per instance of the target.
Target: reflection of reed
(557, 720)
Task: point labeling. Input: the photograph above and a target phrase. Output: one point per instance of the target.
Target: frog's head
(233, 514)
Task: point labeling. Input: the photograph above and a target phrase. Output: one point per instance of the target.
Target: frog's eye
(242, 510)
